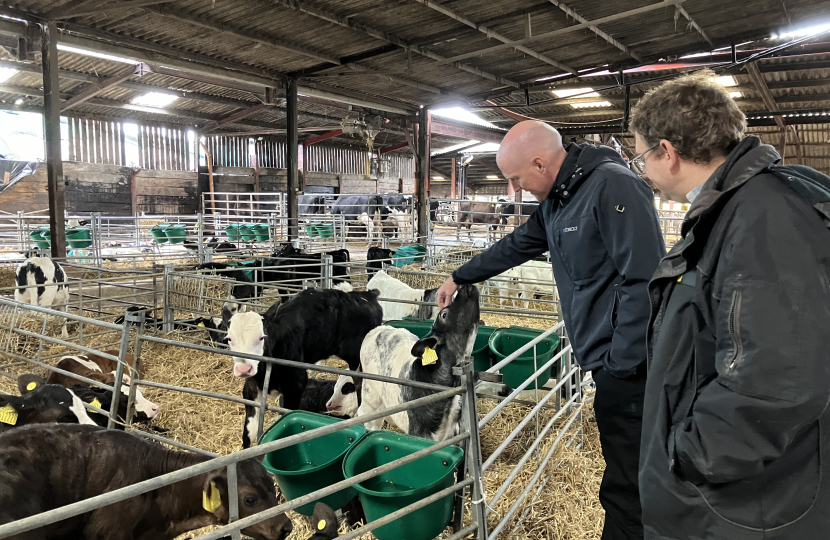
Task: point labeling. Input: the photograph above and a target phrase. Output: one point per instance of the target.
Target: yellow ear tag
(31, 386)
(429, 357)
(201, 325)
(212, 502)
(96, 403)
(321, 525)
(8, 415)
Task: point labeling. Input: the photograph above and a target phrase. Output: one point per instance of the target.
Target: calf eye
(262, 338)
(444, 315)
(348, 388)
(250, 501)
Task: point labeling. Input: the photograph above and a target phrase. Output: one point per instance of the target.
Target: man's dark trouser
(618, 406)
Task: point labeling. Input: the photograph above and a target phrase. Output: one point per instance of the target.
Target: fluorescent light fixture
(155, 99)
(437, 177)
(19, 101)
(591, 104)
(736, 95)
(577, 92)
(482, 148)
(463, 115)
(85, 52)
(726, 80)
(6, 74)
(492, 177)
(453, 148)
(803, 32)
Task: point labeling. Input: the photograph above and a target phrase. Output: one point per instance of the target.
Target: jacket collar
(581, 160)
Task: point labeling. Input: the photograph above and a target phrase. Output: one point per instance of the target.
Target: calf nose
(330, 407)
(154, 409)
(243, 370)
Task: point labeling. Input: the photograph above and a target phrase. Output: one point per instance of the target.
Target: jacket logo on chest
(569, 229)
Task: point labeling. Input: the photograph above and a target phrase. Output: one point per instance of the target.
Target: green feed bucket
(419, 328)
(311, 465)
(506, 341)
(158, 232)
(311, 229)
(262, 232)
(41, 238)
(325, 231)
(176, 234)
(247, 233)
(482, 359)
(79, 237)
(233, 232)
(400, 487)
(413, 253)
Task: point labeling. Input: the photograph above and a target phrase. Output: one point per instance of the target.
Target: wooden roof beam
(346, 22)
(682, 11)
(766, 96)
(493, 34)
(235, 117)
(595, 29)
(88, 7)
(96, 88)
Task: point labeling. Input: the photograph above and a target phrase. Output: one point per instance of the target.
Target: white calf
(390, 287)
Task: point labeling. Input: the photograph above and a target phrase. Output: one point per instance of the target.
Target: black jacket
(736, 430)
(601, 227)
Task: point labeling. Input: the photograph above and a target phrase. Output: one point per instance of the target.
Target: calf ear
(324, 521)
(421, 345)
(215, 494)
(28, 383)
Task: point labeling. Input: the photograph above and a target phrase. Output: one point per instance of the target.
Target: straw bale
(7, 275)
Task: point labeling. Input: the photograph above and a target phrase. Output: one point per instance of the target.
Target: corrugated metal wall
(811, 147)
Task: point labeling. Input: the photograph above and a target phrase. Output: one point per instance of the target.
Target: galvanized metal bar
(119, 370)
(263, 404)
(135, 378)
(171, 442)
(233, 500)
(526, 347)
(472, 455)
(205, 393)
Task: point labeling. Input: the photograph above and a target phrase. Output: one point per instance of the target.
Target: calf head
(346, 398)
(231, 307)
(323, 523)
(41, 403)
(246, 334)
(256, 494)
(454, 331)
(142, 404)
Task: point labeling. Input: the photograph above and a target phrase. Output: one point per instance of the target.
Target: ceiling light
(492, 177)
(6, 74)
(726, 80)
(85, 52)
(803, 32)
(457, 113)
(736, 95)
(437, 177)
(569, 92)
(155, 99)
(591, 104)
(19, 101)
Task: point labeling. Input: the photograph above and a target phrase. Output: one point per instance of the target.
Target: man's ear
(29, 383)
(215, 494)
(421, 345)
(324, 521)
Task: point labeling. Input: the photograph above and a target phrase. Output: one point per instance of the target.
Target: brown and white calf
(102, 370)
(49, 466)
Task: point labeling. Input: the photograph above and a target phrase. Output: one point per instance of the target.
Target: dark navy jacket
(601, 228)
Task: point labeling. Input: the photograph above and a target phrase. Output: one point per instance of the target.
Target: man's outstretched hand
(446, 292)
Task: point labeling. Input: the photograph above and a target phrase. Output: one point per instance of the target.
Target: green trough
(506, 341)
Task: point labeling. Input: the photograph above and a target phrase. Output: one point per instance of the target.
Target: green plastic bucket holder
(176, 234)
(262, 232)
(41, 238)
(482, 358)
(232, 231)
(409, 254)
(325, 230)
(506, 341)
(402, 486)
(158, 232)
(79, 237)
(247, 233)
(311, 465)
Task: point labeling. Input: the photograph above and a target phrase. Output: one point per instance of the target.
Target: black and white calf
(376, 257)
(396, 352)
(243, 290)
(337, 398)
(390, 287)
(41, 404)
(312, 326)
(41, 282)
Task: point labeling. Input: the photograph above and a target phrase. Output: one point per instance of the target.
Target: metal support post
(200, 239)
(23, 239)
(168, 315)
(328, 270)
(233, 500)
(263, 404)
(292, 155)
(52, 138)
(422, 176)
(384, 242)
(119, 370)
(342, 222)
(472, 453)
(139, 317)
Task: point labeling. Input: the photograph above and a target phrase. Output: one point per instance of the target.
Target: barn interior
(126, 115)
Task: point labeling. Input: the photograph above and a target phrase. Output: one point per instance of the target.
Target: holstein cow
(396, 352)
(396, 201)
(98, 368)
(310, 327)
(398, 224)
(311, 204)
(368, 210)
(389, 287)
(375, 258)
(41, 404)
(338, 398)
(243, 290)
(290, 267)
(41, 282)
(470, 213)
(46, 467)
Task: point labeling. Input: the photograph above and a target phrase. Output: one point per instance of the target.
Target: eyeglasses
(638, 162)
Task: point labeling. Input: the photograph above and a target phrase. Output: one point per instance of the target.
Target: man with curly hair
(736, 429)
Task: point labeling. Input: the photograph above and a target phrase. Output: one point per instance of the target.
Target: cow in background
(368, 210)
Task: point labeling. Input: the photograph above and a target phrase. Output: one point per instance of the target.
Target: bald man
(598, 221)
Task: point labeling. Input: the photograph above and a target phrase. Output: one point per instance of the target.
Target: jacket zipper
(734, 330)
